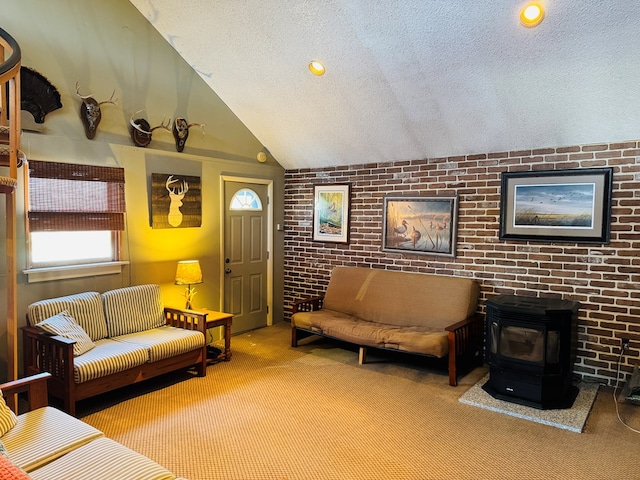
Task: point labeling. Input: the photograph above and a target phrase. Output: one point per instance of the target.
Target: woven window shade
(71, 197)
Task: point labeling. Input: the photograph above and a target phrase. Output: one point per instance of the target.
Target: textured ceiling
(412, 79)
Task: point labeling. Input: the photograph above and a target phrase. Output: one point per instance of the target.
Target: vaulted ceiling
(411, 79)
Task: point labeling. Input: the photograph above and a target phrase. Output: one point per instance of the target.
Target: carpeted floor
(573, 419)
(313, 413)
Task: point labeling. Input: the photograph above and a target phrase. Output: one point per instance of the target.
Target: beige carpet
(312, 412)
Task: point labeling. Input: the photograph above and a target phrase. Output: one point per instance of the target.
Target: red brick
(603, 278)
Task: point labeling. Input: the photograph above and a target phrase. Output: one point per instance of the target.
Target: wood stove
(531, 347)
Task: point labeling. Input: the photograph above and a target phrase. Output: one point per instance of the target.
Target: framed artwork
(176, 201)
(557, 205)
(331, 213)
(422, 224)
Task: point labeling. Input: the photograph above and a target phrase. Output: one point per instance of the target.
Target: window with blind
(75, 213)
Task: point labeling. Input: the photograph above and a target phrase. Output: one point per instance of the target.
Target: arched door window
(246, 199)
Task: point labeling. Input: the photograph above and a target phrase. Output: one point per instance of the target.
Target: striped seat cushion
(108, 357)
(165, 342)
(85, 308)
(133, 309)
(103, 459)
(45, 434)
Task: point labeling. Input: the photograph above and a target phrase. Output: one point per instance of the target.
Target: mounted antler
(141, 130)
(90, 112)
(181, 131)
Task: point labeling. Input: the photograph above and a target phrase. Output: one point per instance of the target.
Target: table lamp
(188, 273)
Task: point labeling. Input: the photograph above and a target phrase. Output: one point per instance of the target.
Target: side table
(220, 319)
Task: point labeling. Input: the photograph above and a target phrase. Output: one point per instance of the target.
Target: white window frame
(54, 267)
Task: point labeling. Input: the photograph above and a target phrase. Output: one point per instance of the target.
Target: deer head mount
(181, 131)
(90, 112)
(141, 131)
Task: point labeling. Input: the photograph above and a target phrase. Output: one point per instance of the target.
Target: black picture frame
(557, 205)
(423, 225)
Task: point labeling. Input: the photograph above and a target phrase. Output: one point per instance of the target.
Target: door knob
(227, 270)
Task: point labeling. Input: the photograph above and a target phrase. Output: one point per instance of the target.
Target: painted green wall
(106, 46)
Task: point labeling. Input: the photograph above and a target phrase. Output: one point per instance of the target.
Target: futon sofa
(433, 315)
(44, 443)
(92, 343)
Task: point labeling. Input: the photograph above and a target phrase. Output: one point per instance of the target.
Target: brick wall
(605, 279)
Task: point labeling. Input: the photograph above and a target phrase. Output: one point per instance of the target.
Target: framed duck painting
(331, 213)
(424, 225)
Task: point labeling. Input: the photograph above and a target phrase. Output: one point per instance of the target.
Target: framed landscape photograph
(421, 224)
(557, 205)
(331, 213)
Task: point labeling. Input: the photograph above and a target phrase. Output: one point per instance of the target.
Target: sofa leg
(69, 405)
(201, 368)
(362, 355)
(453, 373)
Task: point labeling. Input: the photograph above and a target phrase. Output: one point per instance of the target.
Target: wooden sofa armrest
(190, 320)
(463, 323)
(43, 352)
(35, 386)
(307, 304)
(465, 344)
(304, 305)
(187, 319)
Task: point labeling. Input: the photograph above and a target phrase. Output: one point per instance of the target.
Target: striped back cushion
(85, 308)
(133, 309)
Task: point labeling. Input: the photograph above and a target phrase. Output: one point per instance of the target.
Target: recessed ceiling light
(531, 15)
(316, 67)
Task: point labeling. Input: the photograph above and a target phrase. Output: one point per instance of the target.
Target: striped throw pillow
(65, 326)
(8, 419)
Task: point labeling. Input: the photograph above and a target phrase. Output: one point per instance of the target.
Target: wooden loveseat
(433, 315)
(92, 343)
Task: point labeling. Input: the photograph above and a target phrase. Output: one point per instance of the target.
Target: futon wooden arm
(34, 386)
(473, 319)
(307, 304)
(465, 344)
(304, 305)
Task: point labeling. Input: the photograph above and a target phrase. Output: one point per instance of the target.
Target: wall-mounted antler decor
(181, 131)
(141, 130)
(90, 112)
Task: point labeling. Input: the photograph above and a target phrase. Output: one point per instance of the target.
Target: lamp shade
(188, 272)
